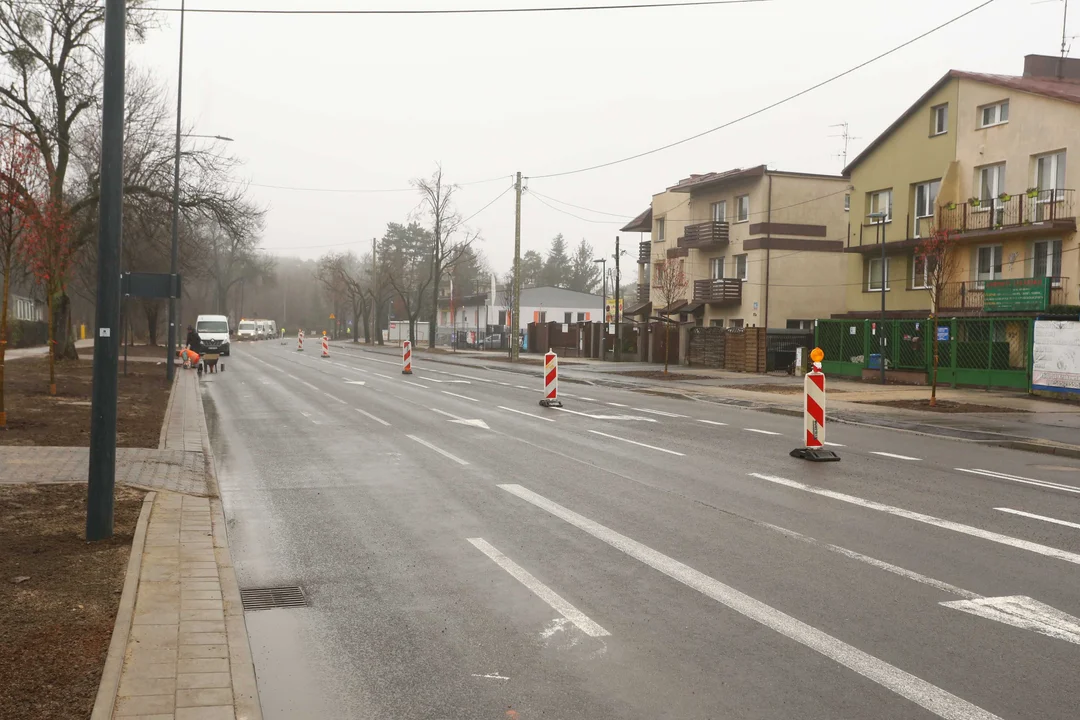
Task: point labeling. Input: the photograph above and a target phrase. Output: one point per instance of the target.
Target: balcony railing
(1008, 211)
(678, 252)
(969, 296)
(718, 291)
(644, 253)
(706, 236)
(642, 293)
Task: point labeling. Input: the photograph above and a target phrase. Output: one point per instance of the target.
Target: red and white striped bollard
(300, 341)
(551, 380)
(406, 357)
(814, 415)
(325, 346)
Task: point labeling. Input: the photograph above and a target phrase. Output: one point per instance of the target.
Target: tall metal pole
(174, 259)
(516, 301)
(618, 281)
(102, 470)
(884, 283)
(375, 332)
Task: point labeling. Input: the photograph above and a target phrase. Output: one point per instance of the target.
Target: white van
(271, 330)
(213, 332)
(246, 330)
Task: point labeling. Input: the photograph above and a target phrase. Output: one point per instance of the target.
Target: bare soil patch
(943, 406)
(659, 375)
(58, 598)
(36, 418)
(779, 389)
(147, 351)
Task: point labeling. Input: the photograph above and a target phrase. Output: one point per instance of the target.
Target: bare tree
(345, 278)
(670, 282)
(450, 241)
(936, 260)
(16, 157)
(405, 258)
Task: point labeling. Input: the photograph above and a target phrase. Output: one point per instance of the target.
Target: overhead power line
(465, 11)
(776, 104)
(511, 187)
(360, 191)
(580, 207)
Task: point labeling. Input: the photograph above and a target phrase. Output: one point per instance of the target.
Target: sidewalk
(187, 655)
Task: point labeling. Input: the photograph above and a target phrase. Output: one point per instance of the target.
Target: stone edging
(168, 413)
(114, 661)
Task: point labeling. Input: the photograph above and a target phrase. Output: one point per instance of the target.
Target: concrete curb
(168, 413)
(208, 453)
(241, 665)
(114, 661)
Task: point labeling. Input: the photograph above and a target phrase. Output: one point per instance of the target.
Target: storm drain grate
(291, 596)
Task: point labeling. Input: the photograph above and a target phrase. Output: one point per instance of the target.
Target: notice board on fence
(1056, 356)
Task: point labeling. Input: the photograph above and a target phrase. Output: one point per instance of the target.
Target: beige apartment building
(758, 247)
(986, 157)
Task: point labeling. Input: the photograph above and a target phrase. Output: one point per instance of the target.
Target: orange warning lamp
(817, 355)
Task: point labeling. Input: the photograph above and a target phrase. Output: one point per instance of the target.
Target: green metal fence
(982, 352)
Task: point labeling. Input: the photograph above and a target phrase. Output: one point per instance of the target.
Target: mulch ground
(659, 375)
(36, 418)
(58, 598)
(149, 351)
(943, 406)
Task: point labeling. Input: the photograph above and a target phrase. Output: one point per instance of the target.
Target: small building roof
(642, 223)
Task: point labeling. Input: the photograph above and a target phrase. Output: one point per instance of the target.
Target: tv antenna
(847, 138)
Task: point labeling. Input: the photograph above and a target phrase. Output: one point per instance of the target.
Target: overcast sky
(370, 102)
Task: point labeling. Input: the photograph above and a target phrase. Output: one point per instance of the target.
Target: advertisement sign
(1016, 295)
(1056, 356)
(609, 314)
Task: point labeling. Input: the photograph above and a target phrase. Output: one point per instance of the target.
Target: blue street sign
(943, 333)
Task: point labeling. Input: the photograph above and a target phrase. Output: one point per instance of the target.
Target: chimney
(1051, 67)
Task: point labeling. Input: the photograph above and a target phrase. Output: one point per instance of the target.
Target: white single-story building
(538, 304)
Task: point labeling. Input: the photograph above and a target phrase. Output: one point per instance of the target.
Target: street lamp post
(603, 311)
(879, 217)
(174, 255)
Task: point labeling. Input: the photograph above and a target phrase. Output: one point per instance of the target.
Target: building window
(716, 323)
(922, 271)
(800, 324)
(502, 318)
(568, 318)
(995, 114)
(991, 182)
(719, 211)
(939, 120)
(847, 202)
(541, 317)
(1050, 175)
(881, 201)
(716, 268)
(660, 230)
(742, 207)
(925, 199)
(740, 267)
(581, 317)
(873, 274)
(735, 323)
(988, 264)
(1047, 260)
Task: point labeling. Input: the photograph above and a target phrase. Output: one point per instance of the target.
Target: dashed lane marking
(372, 417)
(521, 412)
(410, 382)
(438, 449)
(761, 432)
(660, 412)
(1022, 480)
(1033, 516)
(463, 397)
(713, 422)
(635, 442)
(894, 456)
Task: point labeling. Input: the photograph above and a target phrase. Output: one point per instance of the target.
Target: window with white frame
(925, 198)
(847, 202)
(740, 267)
(881, 201)
(742, 207)
(922, 272)
(660, 229)
(994, 114)
(874, 280)
(719, 211)
(1050, 175)
(1046, 257)
(991, 183)
(800, 324)
(716, 268)
(735, 323)
(988, 263)
(717, 323)
(939, 119)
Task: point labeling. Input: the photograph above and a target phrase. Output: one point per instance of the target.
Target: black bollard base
(815, 455)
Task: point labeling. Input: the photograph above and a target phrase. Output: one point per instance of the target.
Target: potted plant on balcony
(1032, 192)
(950, 206)
(974, 202)
(1004, 197)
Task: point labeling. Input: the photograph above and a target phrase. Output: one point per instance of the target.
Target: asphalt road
(469, 554)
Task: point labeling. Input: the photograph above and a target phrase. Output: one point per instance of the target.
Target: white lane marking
(462, 421)
(1025, 613)
(617, 404)
(470, 377)
(940, 702)
(1019, 479)
(520, 412)
(491, 676)
(355, 382)
(588, 399)
(372, 417)
(308, 416)
(660, 412)
(928, 519)
(522, 387)
(294, 377)
(305, 382)
(880, 564)
(761, 432)
(335, 398)
(463, 397)
(568, 395)
(437, 449)
(542, 591)
(635, 442)
(833, 444)
(410, 382)
(894, 455)
(383, 376)
(712, 422)
(605, 417)
(1066, 523)
(504, 384)
(384, 362)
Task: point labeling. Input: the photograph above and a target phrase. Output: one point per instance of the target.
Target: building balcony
(677, 252)
(706, 236)
(1009, 212)
(643, 292)
(720, 291)
(644, 253)
(966, 297)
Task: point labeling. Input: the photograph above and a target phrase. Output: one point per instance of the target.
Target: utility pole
(618, 281)
(847, 138)
(174, 258)
(516, 300)
(375, 331)
(102, 470)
